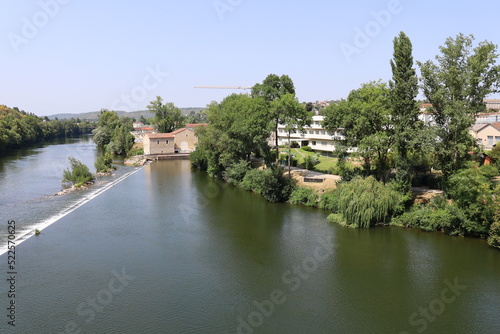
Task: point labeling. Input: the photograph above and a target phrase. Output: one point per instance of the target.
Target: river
(164, 249)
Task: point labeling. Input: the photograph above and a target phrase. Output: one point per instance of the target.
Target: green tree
(404, 108)
(108, 121)
(167, 116)
(292, 114)
(122, 140)
(78, 174)
(456, 87)
(365, 122)
(104, 163)
(472, 190)
(237, 127)
(272, 88)
(363, 203)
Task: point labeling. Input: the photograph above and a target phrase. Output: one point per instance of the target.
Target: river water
(164, 249)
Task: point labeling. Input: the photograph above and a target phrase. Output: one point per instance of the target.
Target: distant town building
(137, 125)
(183, 140)
(486, 135)
(159, 143)
(488, 117)
(492, 104)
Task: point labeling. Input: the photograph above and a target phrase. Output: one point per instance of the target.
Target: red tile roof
(160, 135)
(194, 125)
(178, 130)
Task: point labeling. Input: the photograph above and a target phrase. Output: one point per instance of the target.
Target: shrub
(326, 201)
(365, 202)
(472, 191)
(135, 151)
(294, 144)
(305, 196)
(337, 218)
(310, 161)
(307, 148)
(271, 183)
(198, 160)
(489, 171)
(79, 173)
(348, 171)
(253, 180)
(235, 173)
(449, 219)
(494, 235)
(104, 163)
(284, 160)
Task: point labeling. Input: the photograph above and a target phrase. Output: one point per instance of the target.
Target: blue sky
(72, 56)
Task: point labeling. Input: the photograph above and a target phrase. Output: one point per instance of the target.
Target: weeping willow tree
(363, 202)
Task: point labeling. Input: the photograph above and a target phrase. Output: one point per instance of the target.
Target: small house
(159, 143)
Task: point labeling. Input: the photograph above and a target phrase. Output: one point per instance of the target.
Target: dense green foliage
(437, 215)
(113, 134)
(468, 208)
(494, 235)
(271, 183)
(363, 202)
(104, 163)
(235, 173)
(271, 89)
(456, 87)
(304, 196)
(472, 190)
(78, 173)
(18, 128)
(366, 123)
(238, 126)
(167, 116)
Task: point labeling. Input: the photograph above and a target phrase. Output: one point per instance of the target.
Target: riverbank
(202, 242)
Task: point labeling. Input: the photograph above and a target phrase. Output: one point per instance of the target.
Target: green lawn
(324, 163)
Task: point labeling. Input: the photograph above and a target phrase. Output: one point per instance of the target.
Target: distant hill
(94, 115)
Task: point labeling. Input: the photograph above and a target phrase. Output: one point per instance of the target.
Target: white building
(315, 136)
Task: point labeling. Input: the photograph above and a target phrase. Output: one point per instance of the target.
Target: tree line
(19, 128)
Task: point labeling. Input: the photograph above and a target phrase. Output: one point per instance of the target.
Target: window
(324, 143)
(490, 140)
(166, 142)
(323, 132)
(158, 142)
(313, 142)
(317, 132)
(497, 139)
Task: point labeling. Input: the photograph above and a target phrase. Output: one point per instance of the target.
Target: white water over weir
(22, 236)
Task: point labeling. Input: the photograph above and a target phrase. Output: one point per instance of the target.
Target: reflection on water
(206, 257)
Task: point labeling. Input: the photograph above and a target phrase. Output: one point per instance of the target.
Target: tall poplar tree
(405, 110)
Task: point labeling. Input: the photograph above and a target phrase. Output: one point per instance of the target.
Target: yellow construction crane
(225, 87)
